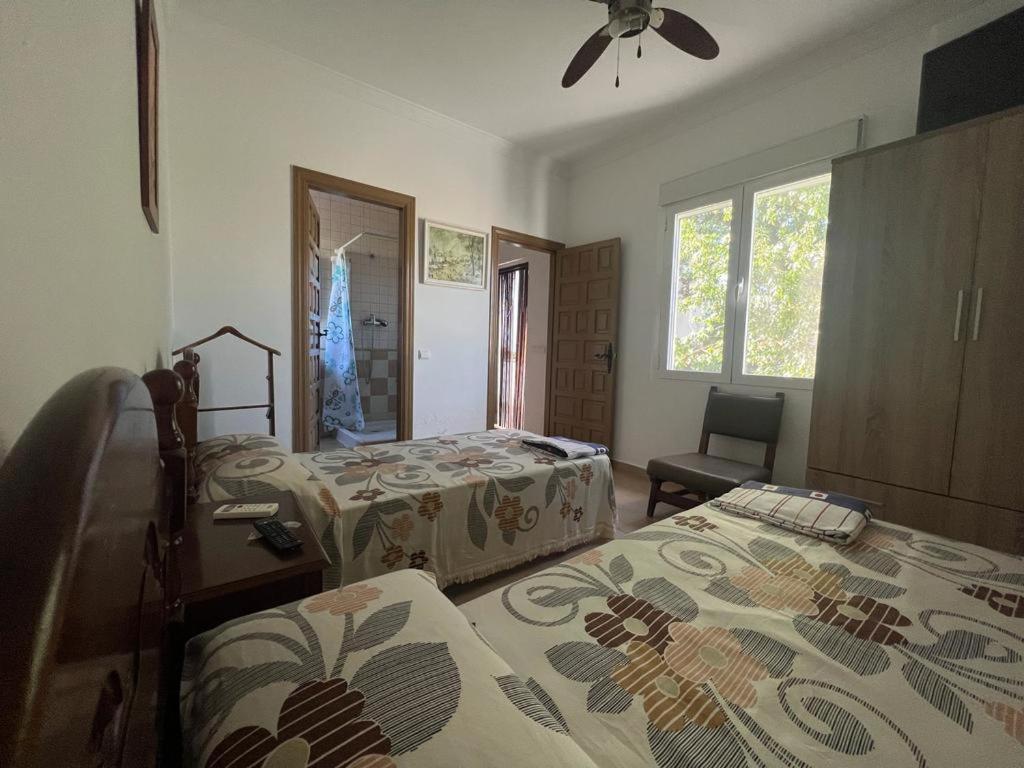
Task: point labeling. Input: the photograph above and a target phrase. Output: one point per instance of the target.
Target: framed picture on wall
(454, 256)
(147, 58)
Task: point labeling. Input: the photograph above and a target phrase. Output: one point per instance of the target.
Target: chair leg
(653, 500)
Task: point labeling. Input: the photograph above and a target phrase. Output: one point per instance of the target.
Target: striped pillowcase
(828, 516)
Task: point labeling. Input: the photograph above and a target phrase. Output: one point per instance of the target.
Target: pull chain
(639, 47)
(618, 56)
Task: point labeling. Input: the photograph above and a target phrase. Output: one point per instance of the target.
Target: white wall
(863, 75)
(83, 282)
(241, 114)
(538, 286)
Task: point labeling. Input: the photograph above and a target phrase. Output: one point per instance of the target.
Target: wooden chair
(745, 416)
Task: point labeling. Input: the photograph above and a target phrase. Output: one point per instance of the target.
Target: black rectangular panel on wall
(974, 75)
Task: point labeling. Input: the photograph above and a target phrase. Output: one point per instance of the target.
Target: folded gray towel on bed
(828, 516)
(565, 448)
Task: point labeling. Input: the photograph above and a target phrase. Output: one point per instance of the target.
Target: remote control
(235, 511)
(279, 537)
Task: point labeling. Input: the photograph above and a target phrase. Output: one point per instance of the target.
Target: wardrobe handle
(977, 314)
(959, 314)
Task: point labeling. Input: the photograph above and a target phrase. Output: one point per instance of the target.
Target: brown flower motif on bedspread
(318, 725)
(714, 655)
(430, 505)
(863, 617)
(1012, 718)
(350, 599)
(780, 592)
(1006, 603)
(670, 701)
(630, 619)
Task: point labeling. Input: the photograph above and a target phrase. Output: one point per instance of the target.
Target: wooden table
(224, 576)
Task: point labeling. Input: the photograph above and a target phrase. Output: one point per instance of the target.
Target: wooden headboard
(87, 582)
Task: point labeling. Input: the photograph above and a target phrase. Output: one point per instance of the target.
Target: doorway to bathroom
(352, 313)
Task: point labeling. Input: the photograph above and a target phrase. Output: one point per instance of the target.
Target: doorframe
(303, 181)
(551, 247)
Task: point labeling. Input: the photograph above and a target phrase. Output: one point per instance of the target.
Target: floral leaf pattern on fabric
(416, 682)
(584, 662)
(934, 689)
(525, 698)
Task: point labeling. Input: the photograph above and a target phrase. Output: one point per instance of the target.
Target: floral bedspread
(460, 506)
(376, 675)
(708, 640)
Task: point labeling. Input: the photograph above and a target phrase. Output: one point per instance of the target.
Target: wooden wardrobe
(919, 389)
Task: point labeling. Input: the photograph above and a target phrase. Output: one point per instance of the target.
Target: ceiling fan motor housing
(628, 18)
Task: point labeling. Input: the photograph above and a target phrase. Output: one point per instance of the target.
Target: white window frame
(671, 237)
(740, 253)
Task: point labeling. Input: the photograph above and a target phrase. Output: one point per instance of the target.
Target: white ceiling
(497, 64)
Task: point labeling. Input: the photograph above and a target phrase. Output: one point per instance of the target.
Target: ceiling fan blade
(684, 33)
(585, 57)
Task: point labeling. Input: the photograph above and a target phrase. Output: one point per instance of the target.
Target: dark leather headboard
(82, 604)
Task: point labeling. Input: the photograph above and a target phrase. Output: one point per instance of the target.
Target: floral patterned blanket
(460, 506)
(709, 640)
(376, 675)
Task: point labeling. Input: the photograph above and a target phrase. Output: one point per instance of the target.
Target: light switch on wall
(424, 354)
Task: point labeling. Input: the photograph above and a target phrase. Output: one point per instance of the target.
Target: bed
(460, 506)
(709, 640)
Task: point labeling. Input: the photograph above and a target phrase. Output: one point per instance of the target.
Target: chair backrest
(750, 417)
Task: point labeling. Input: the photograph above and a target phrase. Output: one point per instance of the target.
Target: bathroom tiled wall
(374, 291)
(378, 382)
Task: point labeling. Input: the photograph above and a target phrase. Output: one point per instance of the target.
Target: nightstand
(224, 576)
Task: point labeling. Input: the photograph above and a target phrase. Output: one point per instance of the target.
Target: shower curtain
(342, 405)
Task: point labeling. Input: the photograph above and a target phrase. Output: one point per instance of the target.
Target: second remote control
(279, 537)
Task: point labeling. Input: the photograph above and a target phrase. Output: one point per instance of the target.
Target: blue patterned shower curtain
(342, 406)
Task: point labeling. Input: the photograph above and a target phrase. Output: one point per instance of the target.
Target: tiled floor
(631, 490)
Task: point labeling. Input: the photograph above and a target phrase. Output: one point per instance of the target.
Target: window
(745, 293)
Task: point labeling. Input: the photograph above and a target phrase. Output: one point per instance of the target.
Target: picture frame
(455, 257)
(147, 59)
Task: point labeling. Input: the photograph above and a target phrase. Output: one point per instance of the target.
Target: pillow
(379, 670)
(828, 516)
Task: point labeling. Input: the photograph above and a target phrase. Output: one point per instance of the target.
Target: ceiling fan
(628, 18)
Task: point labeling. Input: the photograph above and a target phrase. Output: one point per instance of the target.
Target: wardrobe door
(902, 229)
(988, 463)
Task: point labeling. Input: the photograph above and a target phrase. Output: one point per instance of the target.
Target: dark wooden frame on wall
(551, 247)
(147, 61)
(304, 180)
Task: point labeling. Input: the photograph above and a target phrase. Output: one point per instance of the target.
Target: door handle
(959, 314)
(608, 355)
(977, 314)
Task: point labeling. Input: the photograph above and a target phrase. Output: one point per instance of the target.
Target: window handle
(977, 314)
(959, 314)
(740, 285)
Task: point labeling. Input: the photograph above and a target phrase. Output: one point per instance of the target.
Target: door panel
(989, 453)
(314, 362)
(902, 233)
(584, 342)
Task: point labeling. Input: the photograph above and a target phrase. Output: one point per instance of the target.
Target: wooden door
(902, 233)
(988, 461)
(584, 342)
(314, 361)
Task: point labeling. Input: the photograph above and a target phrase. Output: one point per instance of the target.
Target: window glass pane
(784, 295)
(698, 340)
